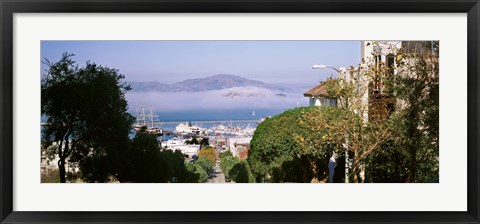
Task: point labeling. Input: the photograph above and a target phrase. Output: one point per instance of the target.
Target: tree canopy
(87, 116)
(289, 147)
(417, 123)
(209, 153)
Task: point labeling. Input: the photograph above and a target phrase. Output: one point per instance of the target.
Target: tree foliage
(227, 161)
(235, 169)
(409, 151)
(193, 141)
(417, 123)
(387, 165)
(365, 92)
(290, 147)
(204, 142)
(205, 163)
(208, 153)
(387, 124)
(87, 118)
(195, 173)
(240, 172)
(145, 162)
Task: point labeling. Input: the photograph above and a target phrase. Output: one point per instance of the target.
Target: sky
(174, 61)
(288, 63)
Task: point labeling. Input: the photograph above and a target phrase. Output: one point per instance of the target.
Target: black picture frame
(10, 7)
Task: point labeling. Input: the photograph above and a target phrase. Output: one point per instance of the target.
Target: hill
(216, 82)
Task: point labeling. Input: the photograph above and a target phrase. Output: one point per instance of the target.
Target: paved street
(218, 176)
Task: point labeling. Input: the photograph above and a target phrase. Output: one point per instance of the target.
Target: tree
(394, 119)
(227, 161)
(195, 173)
(235, 169)
(209, 153)
(365, 94)
(417, 123)
(193, 141)
(205, 164)
(389, 164)
(87, 118)
(240, 173)
(204, 142)
(145, 162)
(291, 147)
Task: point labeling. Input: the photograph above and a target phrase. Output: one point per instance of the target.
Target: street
(218, 176)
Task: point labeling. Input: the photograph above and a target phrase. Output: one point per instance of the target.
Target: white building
(237, 145)
(179, 144)
(319, 96)
(47, 164)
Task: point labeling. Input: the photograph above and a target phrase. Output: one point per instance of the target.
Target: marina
(206, 122)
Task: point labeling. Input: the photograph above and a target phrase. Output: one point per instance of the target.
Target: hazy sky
(173, 61)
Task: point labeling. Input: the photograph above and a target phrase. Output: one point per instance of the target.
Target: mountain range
(216, 82)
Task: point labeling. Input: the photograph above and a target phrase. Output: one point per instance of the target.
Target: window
(390, 64)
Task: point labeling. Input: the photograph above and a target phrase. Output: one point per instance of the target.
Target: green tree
(205, 164)
(291, 147)
(195, 173)
(417, 123)
(87, 118)
(175, 163)
(393, 127)
(145, 162)
(365, 94)
(193, 141)
(240, 172)
(204, 142)
(389, 164)
(227, 161)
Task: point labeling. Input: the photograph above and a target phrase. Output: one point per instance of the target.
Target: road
(218, 176)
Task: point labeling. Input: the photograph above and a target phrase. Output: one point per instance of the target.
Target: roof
(319, 90)
(242, 154)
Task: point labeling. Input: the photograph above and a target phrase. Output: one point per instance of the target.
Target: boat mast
(151, 114)
(137, 121)
(143, 115)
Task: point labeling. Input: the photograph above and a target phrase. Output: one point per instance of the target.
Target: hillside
(216, 82)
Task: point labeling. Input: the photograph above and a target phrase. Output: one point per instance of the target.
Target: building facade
(319, 96)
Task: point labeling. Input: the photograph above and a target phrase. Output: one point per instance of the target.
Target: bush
(240, 173)
(195, 174)
(235, 169)
(205, 164)
(227, 161)
(51, 176)
(207, 152)
(290, 147)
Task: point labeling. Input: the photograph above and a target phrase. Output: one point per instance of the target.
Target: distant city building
(179, 144)
(49, 164)
(239, 146)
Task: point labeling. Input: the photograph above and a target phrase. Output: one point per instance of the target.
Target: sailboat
(148, 121)
(253, 113)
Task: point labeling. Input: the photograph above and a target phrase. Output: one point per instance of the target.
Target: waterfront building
(179, 144)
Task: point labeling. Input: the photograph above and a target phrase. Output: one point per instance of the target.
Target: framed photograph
(239, 111)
